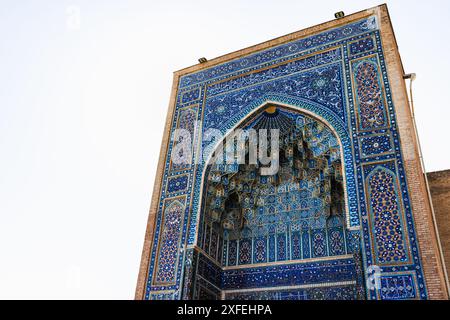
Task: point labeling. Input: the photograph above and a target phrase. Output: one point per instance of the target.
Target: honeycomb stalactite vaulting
(303, 200)
(344, 205)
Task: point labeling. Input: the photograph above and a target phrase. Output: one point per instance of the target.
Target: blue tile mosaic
(376, 145)
(339, 78)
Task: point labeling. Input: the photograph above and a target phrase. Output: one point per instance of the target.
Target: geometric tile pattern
(372, 109)
(398, 287)
(333, 280)
(177, 183)
(361, 46)
(296, 245)
(191, 96)
(343, 292)
(169, 242)
(290, 275)
(386, 217)
(186, 121)
(338, 75)
(376, 145)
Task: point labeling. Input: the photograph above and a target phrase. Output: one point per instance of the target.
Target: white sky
(82, 113)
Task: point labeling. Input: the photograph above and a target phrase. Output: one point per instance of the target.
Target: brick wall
(440, 192)
(428, 242)
(426, 237)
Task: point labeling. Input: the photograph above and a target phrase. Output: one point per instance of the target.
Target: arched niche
(309, 108)
(292, 217)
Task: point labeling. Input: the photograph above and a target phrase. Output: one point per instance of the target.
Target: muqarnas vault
(344, 217)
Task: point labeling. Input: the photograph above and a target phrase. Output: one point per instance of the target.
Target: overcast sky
(82, 107)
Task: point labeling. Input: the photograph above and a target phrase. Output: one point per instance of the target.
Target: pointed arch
(309, 108)
(306, 205)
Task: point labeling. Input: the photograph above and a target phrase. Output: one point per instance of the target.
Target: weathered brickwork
(440, 192)
(428, 244)
(347, 75)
